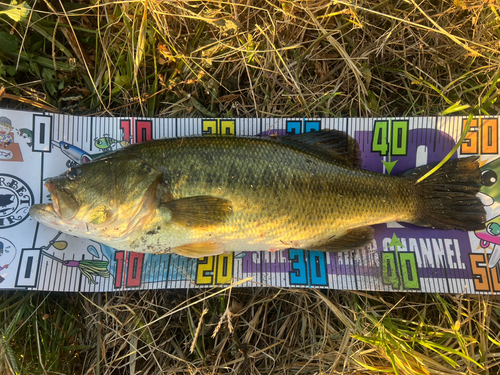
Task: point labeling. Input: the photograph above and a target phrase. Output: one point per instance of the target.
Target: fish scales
(207, 195)
(279, 194)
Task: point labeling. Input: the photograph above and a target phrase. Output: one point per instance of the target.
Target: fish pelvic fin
(199, 250)
(448, 199)
(333, 145)
(199, 211)
(351, 239)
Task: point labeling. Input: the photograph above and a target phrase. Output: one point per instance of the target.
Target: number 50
(481, 138)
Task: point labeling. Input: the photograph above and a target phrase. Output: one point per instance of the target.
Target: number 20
(215, 270)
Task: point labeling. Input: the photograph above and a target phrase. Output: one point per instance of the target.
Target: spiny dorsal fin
(198, 211)
(333, 145)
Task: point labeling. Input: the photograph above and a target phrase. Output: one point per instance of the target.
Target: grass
(253, 58)
(256, 58)
(249, 331)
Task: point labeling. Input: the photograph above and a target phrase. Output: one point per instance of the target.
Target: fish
(28, 134)
(75, 154)
(203, 196)
(6, 154)
(6, 199)
(106, 143)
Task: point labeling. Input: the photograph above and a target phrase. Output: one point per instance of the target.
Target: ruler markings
(342, 271)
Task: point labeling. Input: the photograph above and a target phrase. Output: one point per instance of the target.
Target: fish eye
(489, 178)
(73, 173)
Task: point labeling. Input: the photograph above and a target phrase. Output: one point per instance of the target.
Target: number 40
(398, 140)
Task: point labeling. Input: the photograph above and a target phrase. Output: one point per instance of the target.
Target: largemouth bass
(204, 196)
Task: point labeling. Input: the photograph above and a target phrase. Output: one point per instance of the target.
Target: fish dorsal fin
(199, 250)
(333, 145)
(352, 239)
(199, 211)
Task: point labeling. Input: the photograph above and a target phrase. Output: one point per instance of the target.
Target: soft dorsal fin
(334, 145)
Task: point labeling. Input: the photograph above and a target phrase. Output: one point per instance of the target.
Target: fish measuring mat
(401, 257)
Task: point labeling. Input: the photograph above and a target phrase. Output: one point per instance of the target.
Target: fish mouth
(49, 185)
(63, 204)
(44, 213)
(47, 212)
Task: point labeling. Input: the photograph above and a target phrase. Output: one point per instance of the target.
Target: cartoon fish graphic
(27, 133)
(107, 143)
(75, 154)
(6, 199)
(204, 196)
(6, 154)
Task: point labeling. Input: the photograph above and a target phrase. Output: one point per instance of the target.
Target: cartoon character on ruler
(9, 150)
(7, 256)
(6, 137)
(491, 190)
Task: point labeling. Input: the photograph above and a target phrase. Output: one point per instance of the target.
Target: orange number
(471, 139)
(489, 139)
(480, 273)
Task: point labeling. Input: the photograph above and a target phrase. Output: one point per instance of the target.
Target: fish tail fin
(447, 199)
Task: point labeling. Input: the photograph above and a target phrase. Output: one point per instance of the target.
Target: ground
(253, 58)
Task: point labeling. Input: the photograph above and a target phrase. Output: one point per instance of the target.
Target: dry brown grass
(255, 58)
(249, 331)
(266, 331)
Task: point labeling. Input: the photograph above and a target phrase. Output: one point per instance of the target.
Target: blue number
(298, 272)
(293, 127)
(317, 266)
(311, 126)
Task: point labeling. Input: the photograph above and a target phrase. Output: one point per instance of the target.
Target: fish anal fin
(200, 249)
(199, 211)
(352, 239)
(334, 145)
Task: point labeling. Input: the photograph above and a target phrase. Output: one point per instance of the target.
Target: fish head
(104, 200)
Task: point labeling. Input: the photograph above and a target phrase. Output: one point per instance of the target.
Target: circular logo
(16, 199)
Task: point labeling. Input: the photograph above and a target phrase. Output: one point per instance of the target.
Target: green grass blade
(452, 152)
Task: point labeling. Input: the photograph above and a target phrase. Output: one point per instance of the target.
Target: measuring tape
(402, 257)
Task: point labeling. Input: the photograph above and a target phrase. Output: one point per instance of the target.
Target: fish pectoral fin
(197, 211)
(352, 239)
(200, 250)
